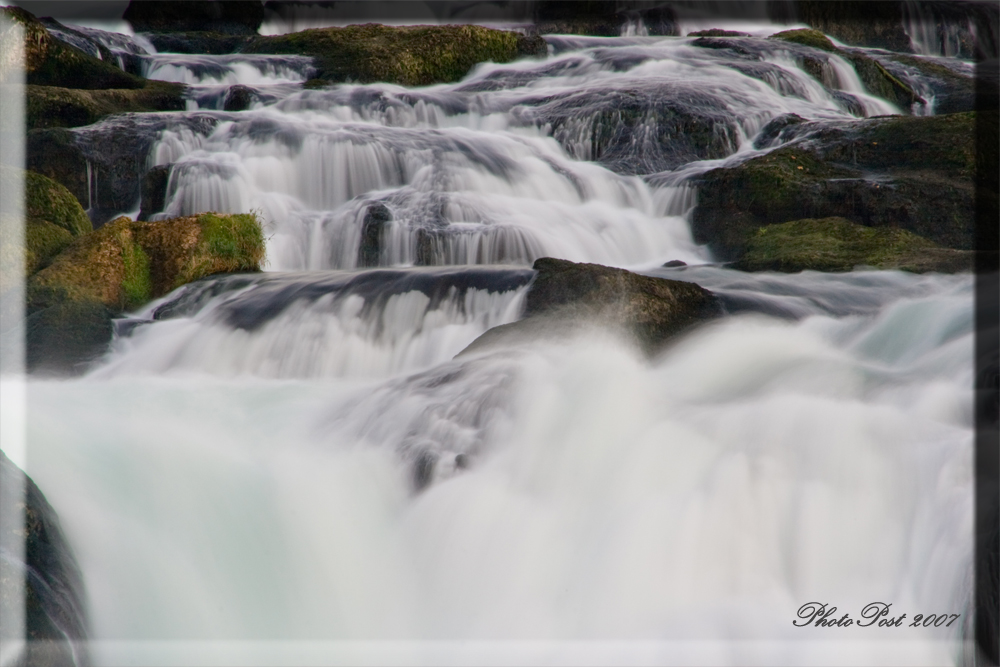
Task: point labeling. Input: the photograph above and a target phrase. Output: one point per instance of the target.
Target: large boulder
(409, 56)
(49, 106)
(233, 17)
(878, 24)
(566, 297)
(51, 62)
(837, 244)
(40, 580)
(914, 173)
(121, 266)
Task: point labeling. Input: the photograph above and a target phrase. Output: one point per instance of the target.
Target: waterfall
(299, 466)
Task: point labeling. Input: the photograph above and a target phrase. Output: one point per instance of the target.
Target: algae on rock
(50, 106)
(837, 244)
(409, 56)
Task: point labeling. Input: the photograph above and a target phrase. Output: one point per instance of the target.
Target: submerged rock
(51, 62)
(837, 244)
(915, 173)
(49, 106)
(121, 266)
(409, 56)
(566, 297)
(38, 570)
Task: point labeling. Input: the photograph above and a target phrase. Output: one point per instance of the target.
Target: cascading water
(295, 467)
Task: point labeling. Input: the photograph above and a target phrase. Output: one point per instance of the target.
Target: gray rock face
(567, 297)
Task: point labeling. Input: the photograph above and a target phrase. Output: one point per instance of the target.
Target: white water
(239, 476)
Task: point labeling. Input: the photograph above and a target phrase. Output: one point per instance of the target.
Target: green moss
(837, 244)
(45, 199)
(411, 56)
(228, 243)
(806, 37)
(43, 241)
(137, 285)
(49, 106)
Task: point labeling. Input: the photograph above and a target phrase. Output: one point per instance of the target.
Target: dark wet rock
(48, 106)
(63, 334)
(914, 173)
(716, 32)
(777, 131)
(640, 130)
(377, 217)
(233, 17)
(837, 244)
(51, 62)
(55, 154)
(876, 78)
(154, 191)
(410, 56)
(567, 297)
(873, 24)
(198, 40)
(239, 98)
(952, 89)
(737, 46)
(674, 263)
(38, 570)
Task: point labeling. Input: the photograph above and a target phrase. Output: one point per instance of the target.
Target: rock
(952, 90)
(121, 266)
(566, 297)
(409, 56)
(600, 18)
(233, 17)
(45, 199)
(54, 153)
(716, 32)
(38, 570)
(43, 241)
(674, 263)
(239, 98)
(154, 191)
(48, 106)
(876, 78)
(51, 62)
(373, 234)
(869, 24)
(837, 244)
(198, 41)
(914, 173)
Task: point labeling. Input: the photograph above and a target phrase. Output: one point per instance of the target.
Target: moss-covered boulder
(876, 78)
(53, 152)
(915, 173)
(49, 106)
(51, 62)
(409, 56)
(43, 241)
(198, 41)
(121, 266)
(953, 90)
(566, 297)
(837, 244)
(45, 199)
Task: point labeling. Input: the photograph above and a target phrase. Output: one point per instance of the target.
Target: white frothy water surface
(296, 468)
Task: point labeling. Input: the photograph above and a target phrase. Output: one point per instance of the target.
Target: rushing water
(296, 467)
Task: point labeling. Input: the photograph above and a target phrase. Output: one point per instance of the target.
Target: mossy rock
(49, 106)
(717, 32)
(954, 92)
(915, 173)
(43, 241)
(45, 199)
(410, 56)
(198, 41)
(50, 62)
(837, 244)
(567, 297)
(806, 37)
(872, 24)
(125, 263)
(53, 152)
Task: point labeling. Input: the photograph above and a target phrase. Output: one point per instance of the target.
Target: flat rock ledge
(567, 298)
